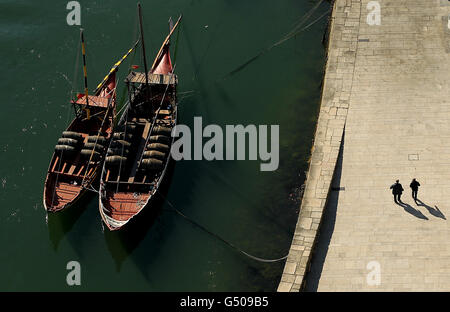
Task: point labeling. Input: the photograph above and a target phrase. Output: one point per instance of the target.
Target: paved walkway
(397, 127)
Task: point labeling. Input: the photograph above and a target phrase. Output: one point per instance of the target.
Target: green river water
(256, 211)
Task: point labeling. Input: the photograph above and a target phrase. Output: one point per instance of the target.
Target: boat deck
(123, 205)
(96, 101)
(64, 193)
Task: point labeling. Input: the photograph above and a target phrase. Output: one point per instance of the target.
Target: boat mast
(84, 68)
(143, 44)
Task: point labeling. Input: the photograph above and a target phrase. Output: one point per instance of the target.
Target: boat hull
(71, 175)
(113, 224)
(133, 173)
(79, 192)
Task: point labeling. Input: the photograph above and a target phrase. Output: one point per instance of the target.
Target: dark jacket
(414, 185)
(397, 188)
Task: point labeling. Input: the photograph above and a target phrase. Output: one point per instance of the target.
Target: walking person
(397, 190)
(415, 188)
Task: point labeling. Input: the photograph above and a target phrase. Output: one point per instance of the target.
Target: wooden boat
(80, 151)
(139, 152)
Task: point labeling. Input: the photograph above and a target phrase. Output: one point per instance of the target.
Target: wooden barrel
(122, 136)
(115, 160)
(158, 147)
(118, 151)
(120, 143)
(67, 141)
(86, 153)
(159, 139)
(154, 154)
(162, 130)
(93, 146)
(101, 139)
(72, 135)
(65, 149)
(151, 164)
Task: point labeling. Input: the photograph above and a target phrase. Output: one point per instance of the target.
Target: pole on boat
(83, 49)
(143, 44)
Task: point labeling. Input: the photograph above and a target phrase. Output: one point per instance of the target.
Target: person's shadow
(433, 211)
(416, 213)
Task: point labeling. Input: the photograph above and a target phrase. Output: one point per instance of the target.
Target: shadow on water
(224, 96)
(258, 276)
(250, 202)
(60, 223)
(433, 211)
(326, 229)
(409, 209)
(180, 185)
(133, 240)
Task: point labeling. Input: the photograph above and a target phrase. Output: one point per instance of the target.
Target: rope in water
(294, 32)
(218, 237)
(209, 232)
(304, 19)
(91, 188)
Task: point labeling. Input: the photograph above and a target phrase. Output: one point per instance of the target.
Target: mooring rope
(91, 188)
(304, 19)
(302, 29)
(294, 32)
(217, 236)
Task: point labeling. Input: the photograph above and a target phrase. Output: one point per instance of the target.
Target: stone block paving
(330, 126)
(398, 127)
(389, 86)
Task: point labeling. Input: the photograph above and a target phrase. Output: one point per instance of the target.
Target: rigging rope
(124, 103)
(100, 130)
(157, 112)
(294, 32)
(91, 188)
(123, 148)
(217, 236)
(74, 81)
(119, 112)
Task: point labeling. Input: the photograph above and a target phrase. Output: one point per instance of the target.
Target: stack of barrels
(69, 143)
(94, 146)
(157, 149)
(120, 145)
